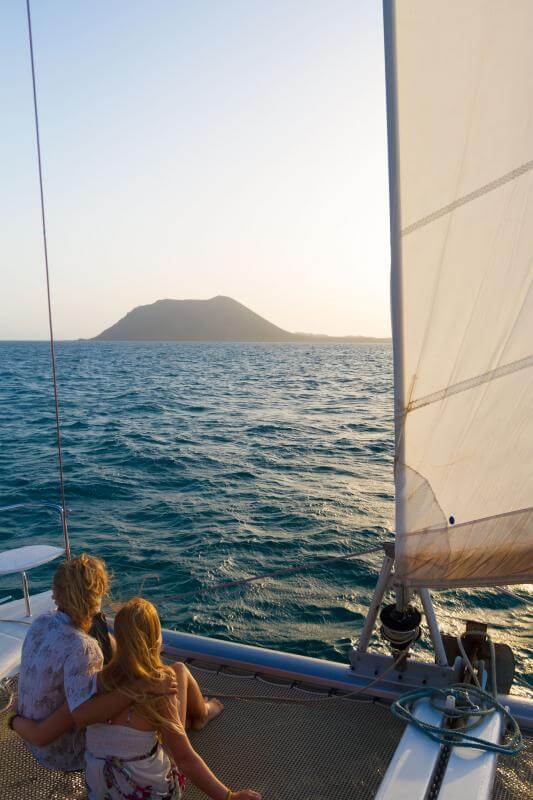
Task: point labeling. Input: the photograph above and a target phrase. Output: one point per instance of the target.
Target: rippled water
(190, 464)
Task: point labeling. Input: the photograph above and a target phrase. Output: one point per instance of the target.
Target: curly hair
(79, 585)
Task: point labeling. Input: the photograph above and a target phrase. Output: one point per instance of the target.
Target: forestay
(460, 111)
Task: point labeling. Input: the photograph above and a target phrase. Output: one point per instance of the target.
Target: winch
(400, 627)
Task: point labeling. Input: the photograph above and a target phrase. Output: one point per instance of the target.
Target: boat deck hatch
(331, 750)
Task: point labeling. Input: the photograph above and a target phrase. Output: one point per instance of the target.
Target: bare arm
(46, 731)
(98, 708)
(104, 706)
(192, 765)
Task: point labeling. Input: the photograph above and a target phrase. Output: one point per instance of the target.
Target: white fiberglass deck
(13, 627)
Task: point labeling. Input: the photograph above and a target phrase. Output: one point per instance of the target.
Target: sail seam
(461, 201)
(451, 529)
(470, 383)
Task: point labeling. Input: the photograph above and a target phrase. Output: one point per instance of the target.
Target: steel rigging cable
(50, 324)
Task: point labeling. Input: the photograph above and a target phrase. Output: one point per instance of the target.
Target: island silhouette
(220, 319)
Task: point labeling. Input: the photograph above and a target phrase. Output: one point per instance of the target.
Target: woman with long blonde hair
(144, 751)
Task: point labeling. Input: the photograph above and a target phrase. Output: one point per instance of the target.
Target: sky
(191, 149)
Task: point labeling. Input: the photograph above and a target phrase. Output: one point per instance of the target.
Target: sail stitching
(461, 201)
(446, 529)
(470, 383)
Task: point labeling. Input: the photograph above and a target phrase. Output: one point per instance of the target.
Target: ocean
(192, 464)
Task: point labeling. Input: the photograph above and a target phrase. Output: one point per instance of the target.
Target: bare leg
(195, 710)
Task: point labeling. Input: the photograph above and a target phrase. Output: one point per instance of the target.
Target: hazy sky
(194, 148)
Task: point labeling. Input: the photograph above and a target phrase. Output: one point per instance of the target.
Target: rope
(462, 705)
(524, 682)
(311, 700)
(45, 246)
(467, 661)
(310, 565)
(7, 688)
(516, 596)
(275, 573)
(468, 702)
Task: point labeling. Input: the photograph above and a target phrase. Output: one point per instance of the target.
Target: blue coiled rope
(470, 702)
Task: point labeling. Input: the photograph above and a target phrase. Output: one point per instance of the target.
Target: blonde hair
(137, 632)
(79, 585)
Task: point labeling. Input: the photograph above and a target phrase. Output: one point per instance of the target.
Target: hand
(13, 721)
(246, 794)
(166, 686)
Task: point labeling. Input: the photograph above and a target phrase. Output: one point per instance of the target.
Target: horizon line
(350, 339)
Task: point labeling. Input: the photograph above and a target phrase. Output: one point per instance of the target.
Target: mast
(396, 289)
(389, 30)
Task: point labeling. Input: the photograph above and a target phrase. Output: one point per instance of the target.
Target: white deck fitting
(14, 625)
(410, 772)
(21, 559)
(470, 773)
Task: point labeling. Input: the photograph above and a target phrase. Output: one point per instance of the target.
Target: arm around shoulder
(48, 730)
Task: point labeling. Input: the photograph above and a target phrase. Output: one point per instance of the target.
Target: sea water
(192, 464)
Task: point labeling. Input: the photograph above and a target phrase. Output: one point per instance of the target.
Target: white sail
(460, 111)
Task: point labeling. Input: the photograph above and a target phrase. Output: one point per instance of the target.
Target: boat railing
(21, 559)
(36, 504)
